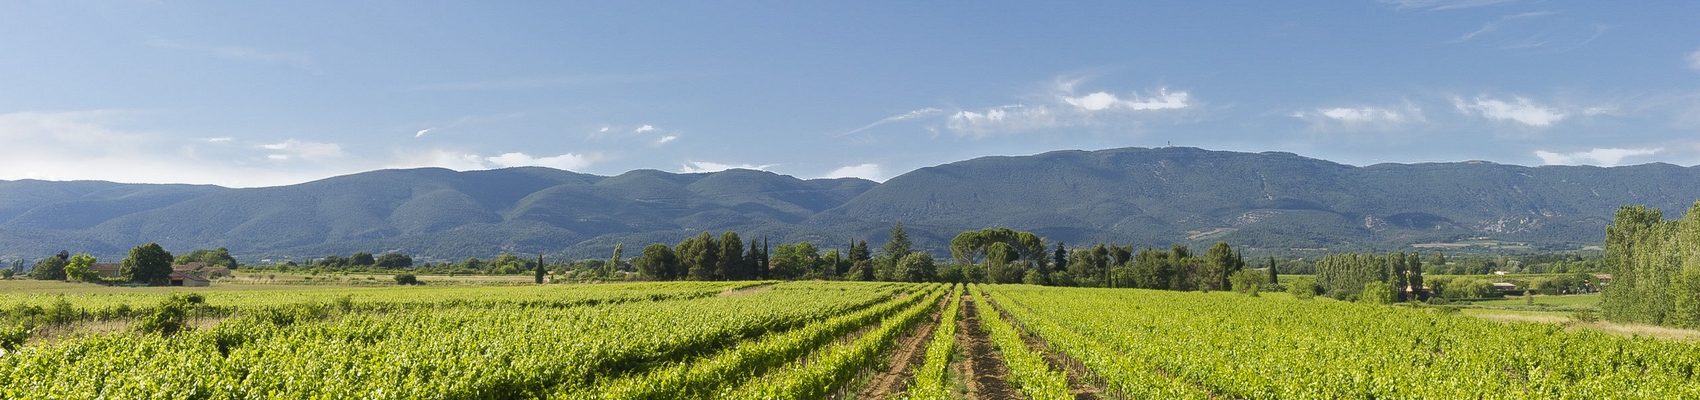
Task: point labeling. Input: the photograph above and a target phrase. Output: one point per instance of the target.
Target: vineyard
(803, 340)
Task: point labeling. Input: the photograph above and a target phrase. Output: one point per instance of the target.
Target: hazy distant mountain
(1147, 197)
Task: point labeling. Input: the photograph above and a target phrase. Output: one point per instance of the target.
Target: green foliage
(77, 269)
(394, 261)
(1376, 293)
(1303, 289)
(211, 258)
(169, 316)
(407, 279)
(916, 267)
(1654, 266)
(1248, 282)
(148, 263)
(50, 269)
(1034, 277)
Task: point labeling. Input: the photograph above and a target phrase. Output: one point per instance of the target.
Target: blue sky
(257, 94)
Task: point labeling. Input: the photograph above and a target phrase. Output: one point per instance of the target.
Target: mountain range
(1269, 202)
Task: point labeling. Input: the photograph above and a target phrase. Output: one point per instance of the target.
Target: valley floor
(865, 340)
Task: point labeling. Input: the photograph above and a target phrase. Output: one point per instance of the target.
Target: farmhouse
(105, 270)
(189, 278)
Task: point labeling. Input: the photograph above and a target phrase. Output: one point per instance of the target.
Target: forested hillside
(1145, 197)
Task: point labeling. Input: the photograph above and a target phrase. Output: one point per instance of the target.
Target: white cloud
(692, 167)
(84, 145)
(1003, 119)
(1605, 157)
(296, 149)
(645, 128)
(567, 161)
(912, 115)
(1694, 60)
(1520, 109)
(665, 139)
(466, 161)
(871, 172)
(1363, 115)
(1099, 101)
(604, 129)
(1440, 4)
(422, 132)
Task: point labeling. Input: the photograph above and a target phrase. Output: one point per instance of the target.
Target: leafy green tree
(754, 266)
(916, 267)
(861, 261)
(1414, 266)
(792, 261)
(657, 263)
(730, 265)
(147, 263)
(613, 262)
(1274, 277)
(211, 258)
(1248, 282)
(52, 269)
(539, 271)
(1376, 293)
(78, 269)
(362, 259)
(1303, 289)
(1034, 277)
(1221, 261)
(702, 257)
(407, 279)
(1059, 258)
(899, 245)
(394, 261)
(1000, 263)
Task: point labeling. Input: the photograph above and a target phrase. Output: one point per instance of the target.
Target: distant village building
(105, 270)
(189, 279)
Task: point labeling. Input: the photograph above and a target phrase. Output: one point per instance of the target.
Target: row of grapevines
(1280, 348)
(929, 383)
(434, 354)
(699, 379)
(1130, 377)
(839, 363)
(1028, 370)
(98, 301)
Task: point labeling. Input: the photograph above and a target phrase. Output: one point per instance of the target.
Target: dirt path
(749, 290)
(909, 355)
(985, 365)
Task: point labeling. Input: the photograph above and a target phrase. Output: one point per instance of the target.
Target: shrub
(1376, 293)
(407, 279)
(1584, 315)
(168, 317)
(1304, 289)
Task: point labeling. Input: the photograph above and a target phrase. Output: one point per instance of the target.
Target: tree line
(1655, 268)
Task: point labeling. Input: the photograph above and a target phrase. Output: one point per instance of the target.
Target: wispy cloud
(692, 167)
(569, 161)
(908, 116)
(1101, 101)
(1492, 26)
(1535, 32)
(1520, 109)
(297, 60)
(1694, 60)
(665, 139)
(1003, 119)
(1437, 5)
(1605, 157)
(293, 149)
(1394, 117)
(644, 128)
(871, 172)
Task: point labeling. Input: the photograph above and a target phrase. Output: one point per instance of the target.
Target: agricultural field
(796, 340)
